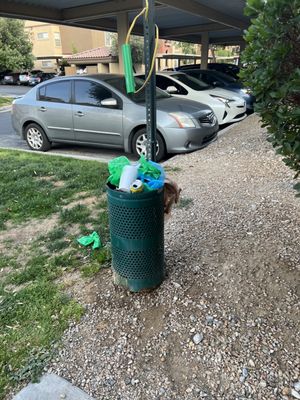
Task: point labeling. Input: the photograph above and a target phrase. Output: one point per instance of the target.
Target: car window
(193, 83)
(58, 92)
(163, 82)
(224, 77)
(89, 93)
(119, 84)
(204, 77)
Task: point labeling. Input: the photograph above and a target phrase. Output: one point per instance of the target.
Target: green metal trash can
(137, 238)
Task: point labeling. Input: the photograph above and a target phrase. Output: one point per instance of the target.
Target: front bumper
(183, 140)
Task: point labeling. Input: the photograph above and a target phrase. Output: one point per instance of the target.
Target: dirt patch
(55, 183)
(90, 202)
(15, 237)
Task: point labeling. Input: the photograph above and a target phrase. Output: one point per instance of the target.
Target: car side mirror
(110, 102)
(172, 89)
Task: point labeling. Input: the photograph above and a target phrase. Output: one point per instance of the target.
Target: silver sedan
(96, 110)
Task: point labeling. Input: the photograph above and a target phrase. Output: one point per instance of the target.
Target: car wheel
(139, 144)
(36, 138)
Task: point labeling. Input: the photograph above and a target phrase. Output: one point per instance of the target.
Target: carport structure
(195, 21)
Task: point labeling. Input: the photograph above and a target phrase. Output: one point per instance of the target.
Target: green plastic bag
(115, 168)
(146, 168)
(92, 238)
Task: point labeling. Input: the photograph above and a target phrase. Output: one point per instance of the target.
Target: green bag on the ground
(92, 238)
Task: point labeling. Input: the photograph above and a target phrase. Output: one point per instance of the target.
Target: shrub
(272, 70)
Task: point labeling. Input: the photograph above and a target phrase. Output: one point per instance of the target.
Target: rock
(197, 339)
(127, 381)
(263, 384)
(295, 394)
(297, 386)
(110, 382)
(285, 391)
(209, 320)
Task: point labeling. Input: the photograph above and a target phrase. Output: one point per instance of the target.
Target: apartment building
(52, 42)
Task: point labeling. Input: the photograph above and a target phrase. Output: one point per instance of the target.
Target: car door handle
(43, 109)
(79, 114)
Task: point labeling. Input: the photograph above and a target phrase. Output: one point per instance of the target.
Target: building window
(47, 64)
(42, 36)
(57, 39)
(108, 39)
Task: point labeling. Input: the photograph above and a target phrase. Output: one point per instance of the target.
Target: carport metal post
(150, 91)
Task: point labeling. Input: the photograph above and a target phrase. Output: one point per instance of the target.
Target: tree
(137, 48)
(272, 59)
(187, 48)
(15, 46)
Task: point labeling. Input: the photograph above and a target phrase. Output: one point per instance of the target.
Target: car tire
(36, 138)
(139, 144)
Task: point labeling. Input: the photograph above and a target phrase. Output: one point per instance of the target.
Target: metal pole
(149, 44)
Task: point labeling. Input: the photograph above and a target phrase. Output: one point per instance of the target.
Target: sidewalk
(51, 387)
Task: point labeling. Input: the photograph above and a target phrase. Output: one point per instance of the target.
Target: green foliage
(187, 48)
(15, 45)
(137, 48)
(272, 59)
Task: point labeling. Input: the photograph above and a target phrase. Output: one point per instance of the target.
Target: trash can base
(137, 285)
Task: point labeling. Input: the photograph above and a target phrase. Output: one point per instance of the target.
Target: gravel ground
(225, 323)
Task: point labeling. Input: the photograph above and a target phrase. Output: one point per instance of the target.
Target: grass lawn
(5, 101)
(45, 204)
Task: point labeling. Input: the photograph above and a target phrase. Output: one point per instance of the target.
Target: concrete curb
(79, 157)
(5, 109)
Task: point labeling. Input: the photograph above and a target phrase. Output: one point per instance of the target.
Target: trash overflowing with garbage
(141, 177)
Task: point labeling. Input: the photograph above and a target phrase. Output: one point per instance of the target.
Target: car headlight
(223, 100)
(183, 120)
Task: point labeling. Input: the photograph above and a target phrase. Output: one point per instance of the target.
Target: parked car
(11, 79)
(219, 79)
(3, 74)
(25, 76)
(40, 77)
(227, 106)
(96, 110)
(229, 69)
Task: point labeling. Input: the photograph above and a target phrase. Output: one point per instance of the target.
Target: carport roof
(182, 20)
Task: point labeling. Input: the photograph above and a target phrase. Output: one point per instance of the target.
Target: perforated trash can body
(137, 238)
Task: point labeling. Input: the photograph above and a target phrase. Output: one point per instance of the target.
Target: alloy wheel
(35, 138)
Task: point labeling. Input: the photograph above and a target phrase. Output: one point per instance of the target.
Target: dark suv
(229, 69)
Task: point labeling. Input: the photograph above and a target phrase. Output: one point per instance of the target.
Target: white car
(227, 105)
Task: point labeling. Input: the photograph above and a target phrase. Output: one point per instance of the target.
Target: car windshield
(226, 78)
(119, 84)
(190, 81)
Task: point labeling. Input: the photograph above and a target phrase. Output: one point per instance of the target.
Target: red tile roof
(98, 52)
